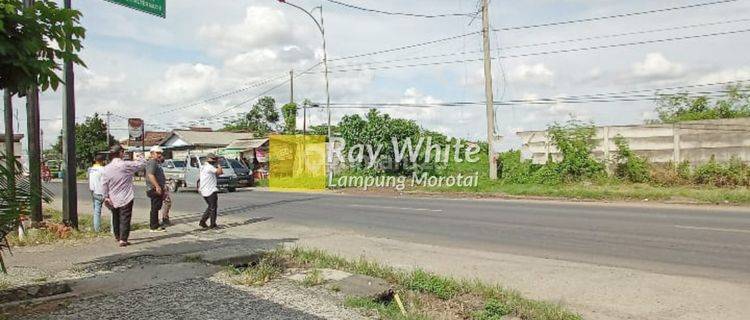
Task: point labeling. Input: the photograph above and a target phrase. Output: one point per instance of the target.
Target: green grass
(443, 288)
(4, 284)
(262, 183)
(313, 278)
(40, 236)
(607, 191)
(270, 267)
(386, 311)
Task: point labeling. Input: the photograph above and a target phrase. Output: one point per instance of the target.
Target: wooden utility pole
(488, 88)
(10, 154)
(70, 194)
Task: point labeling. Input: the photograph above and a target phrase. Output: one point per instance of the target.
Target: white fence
(693, 141)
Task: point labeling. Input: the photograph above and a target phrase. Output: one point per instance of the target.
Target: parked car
(186, 173)
(244, 176)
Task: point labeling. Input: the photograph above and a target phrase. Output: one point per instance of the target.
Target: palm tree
(13, 202)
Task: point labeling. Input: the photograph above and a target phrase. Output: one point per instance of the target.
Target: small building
(179, 143)
(16, 146)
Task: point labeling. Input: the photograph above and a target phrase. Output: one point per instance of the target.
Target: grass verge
(55, 231)
(424, 294)
(619, 191)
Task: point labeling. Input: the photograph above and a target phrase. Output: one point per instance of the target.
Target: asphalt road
(700, 241)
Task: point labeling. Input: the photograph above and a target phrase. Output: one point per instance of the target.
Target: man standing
(208, 189)
(95, 186)
(155, 187)
(117, 188)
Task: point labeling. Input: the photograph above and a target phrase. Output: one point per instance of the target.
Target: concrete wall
(693, 141)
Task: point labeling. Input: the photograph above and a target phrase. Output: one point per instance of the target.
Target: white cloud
(535, 73)
(184, 82)
(726, 75)
(655, 65)
(262, 27)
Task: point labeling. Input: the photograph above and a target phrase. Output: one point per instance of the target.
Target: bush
(511, 169)
(732, 174)
(574, 140)
(629, 165)
(670, 174)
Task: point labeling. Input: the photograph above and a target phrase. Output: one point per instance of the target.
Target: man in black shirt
(155, 184)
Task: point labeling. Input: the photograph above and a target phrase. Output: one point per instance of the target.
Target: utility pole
(35, 163)
(70, 196)
(10, 155)
(488, 88)
(291, 86)
(109, 143)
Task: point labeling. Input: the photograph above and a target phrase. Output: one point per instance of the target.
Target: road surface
(706, 242)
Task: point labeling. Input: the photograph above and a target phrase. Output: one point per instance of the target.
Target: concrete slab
(328, 275)
(363, 287)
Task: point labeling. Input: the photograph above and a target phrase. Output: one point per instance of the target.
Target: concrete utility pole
(35, 152)
(109, 143)
(70, 197)
(291, 86)
(488, 88)
(10, 154)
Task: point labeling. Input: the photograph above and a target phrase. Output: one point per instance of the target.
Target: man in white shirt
(208, 189)
(95, 186)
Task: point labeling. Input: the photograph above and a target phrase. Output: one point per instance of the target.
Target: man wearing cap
(155, 187)
(209, 190)
(117, 189)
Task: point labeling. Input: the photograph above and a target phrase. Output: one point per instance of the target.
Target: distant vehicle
(244, 176)
(186, 173)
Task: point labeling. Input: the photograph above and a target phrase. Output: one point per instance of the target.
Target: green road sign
(155, 7)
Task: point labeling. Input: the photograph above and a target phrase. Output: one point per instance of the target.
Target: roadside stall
(253, 153)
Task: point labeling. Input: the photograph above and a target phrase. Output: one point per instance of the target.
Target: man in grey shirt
(155, 181)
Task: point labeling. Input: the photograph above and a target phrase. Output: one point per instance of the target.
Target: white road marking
(397, 208)
(712, 229)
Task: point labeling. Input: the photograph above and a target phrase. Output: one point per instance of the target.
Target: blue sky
(140, 65)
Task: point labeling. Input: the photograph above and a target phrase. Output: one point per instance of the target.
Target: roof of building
(153, 138)
(206, 138)
(16, 137)
(247, 144)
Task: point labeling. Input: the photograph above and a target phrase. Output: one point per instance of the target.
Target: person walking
(155, 187)
(95, 186)
(117, 188)
(209, 190)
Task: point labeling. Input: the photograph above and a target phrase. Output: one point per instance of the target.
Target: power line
(405, 14)
(622, 15)
(540, 44)
(411, 46)
(597, 97)
(227, 118)
(223, 95)
(363, 67)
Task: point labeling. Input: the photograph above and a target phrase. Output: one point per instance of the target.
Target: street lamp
(325, 66)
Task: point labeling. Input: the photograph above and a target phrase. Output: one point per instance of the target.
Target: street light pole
(325, 66)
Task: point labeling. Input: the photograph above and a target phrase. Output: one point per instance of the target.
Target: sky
(162, 70)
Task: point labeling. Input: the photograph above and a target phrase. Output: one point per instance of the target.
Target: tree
(34, 41)
(91, 139)
(261, 120)
(684, 107)
(289, 111)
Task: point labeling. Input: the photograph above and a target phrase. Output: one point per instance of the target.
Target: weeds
(420, 282)
(313, 278)
(193, 258)
(268, 268)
